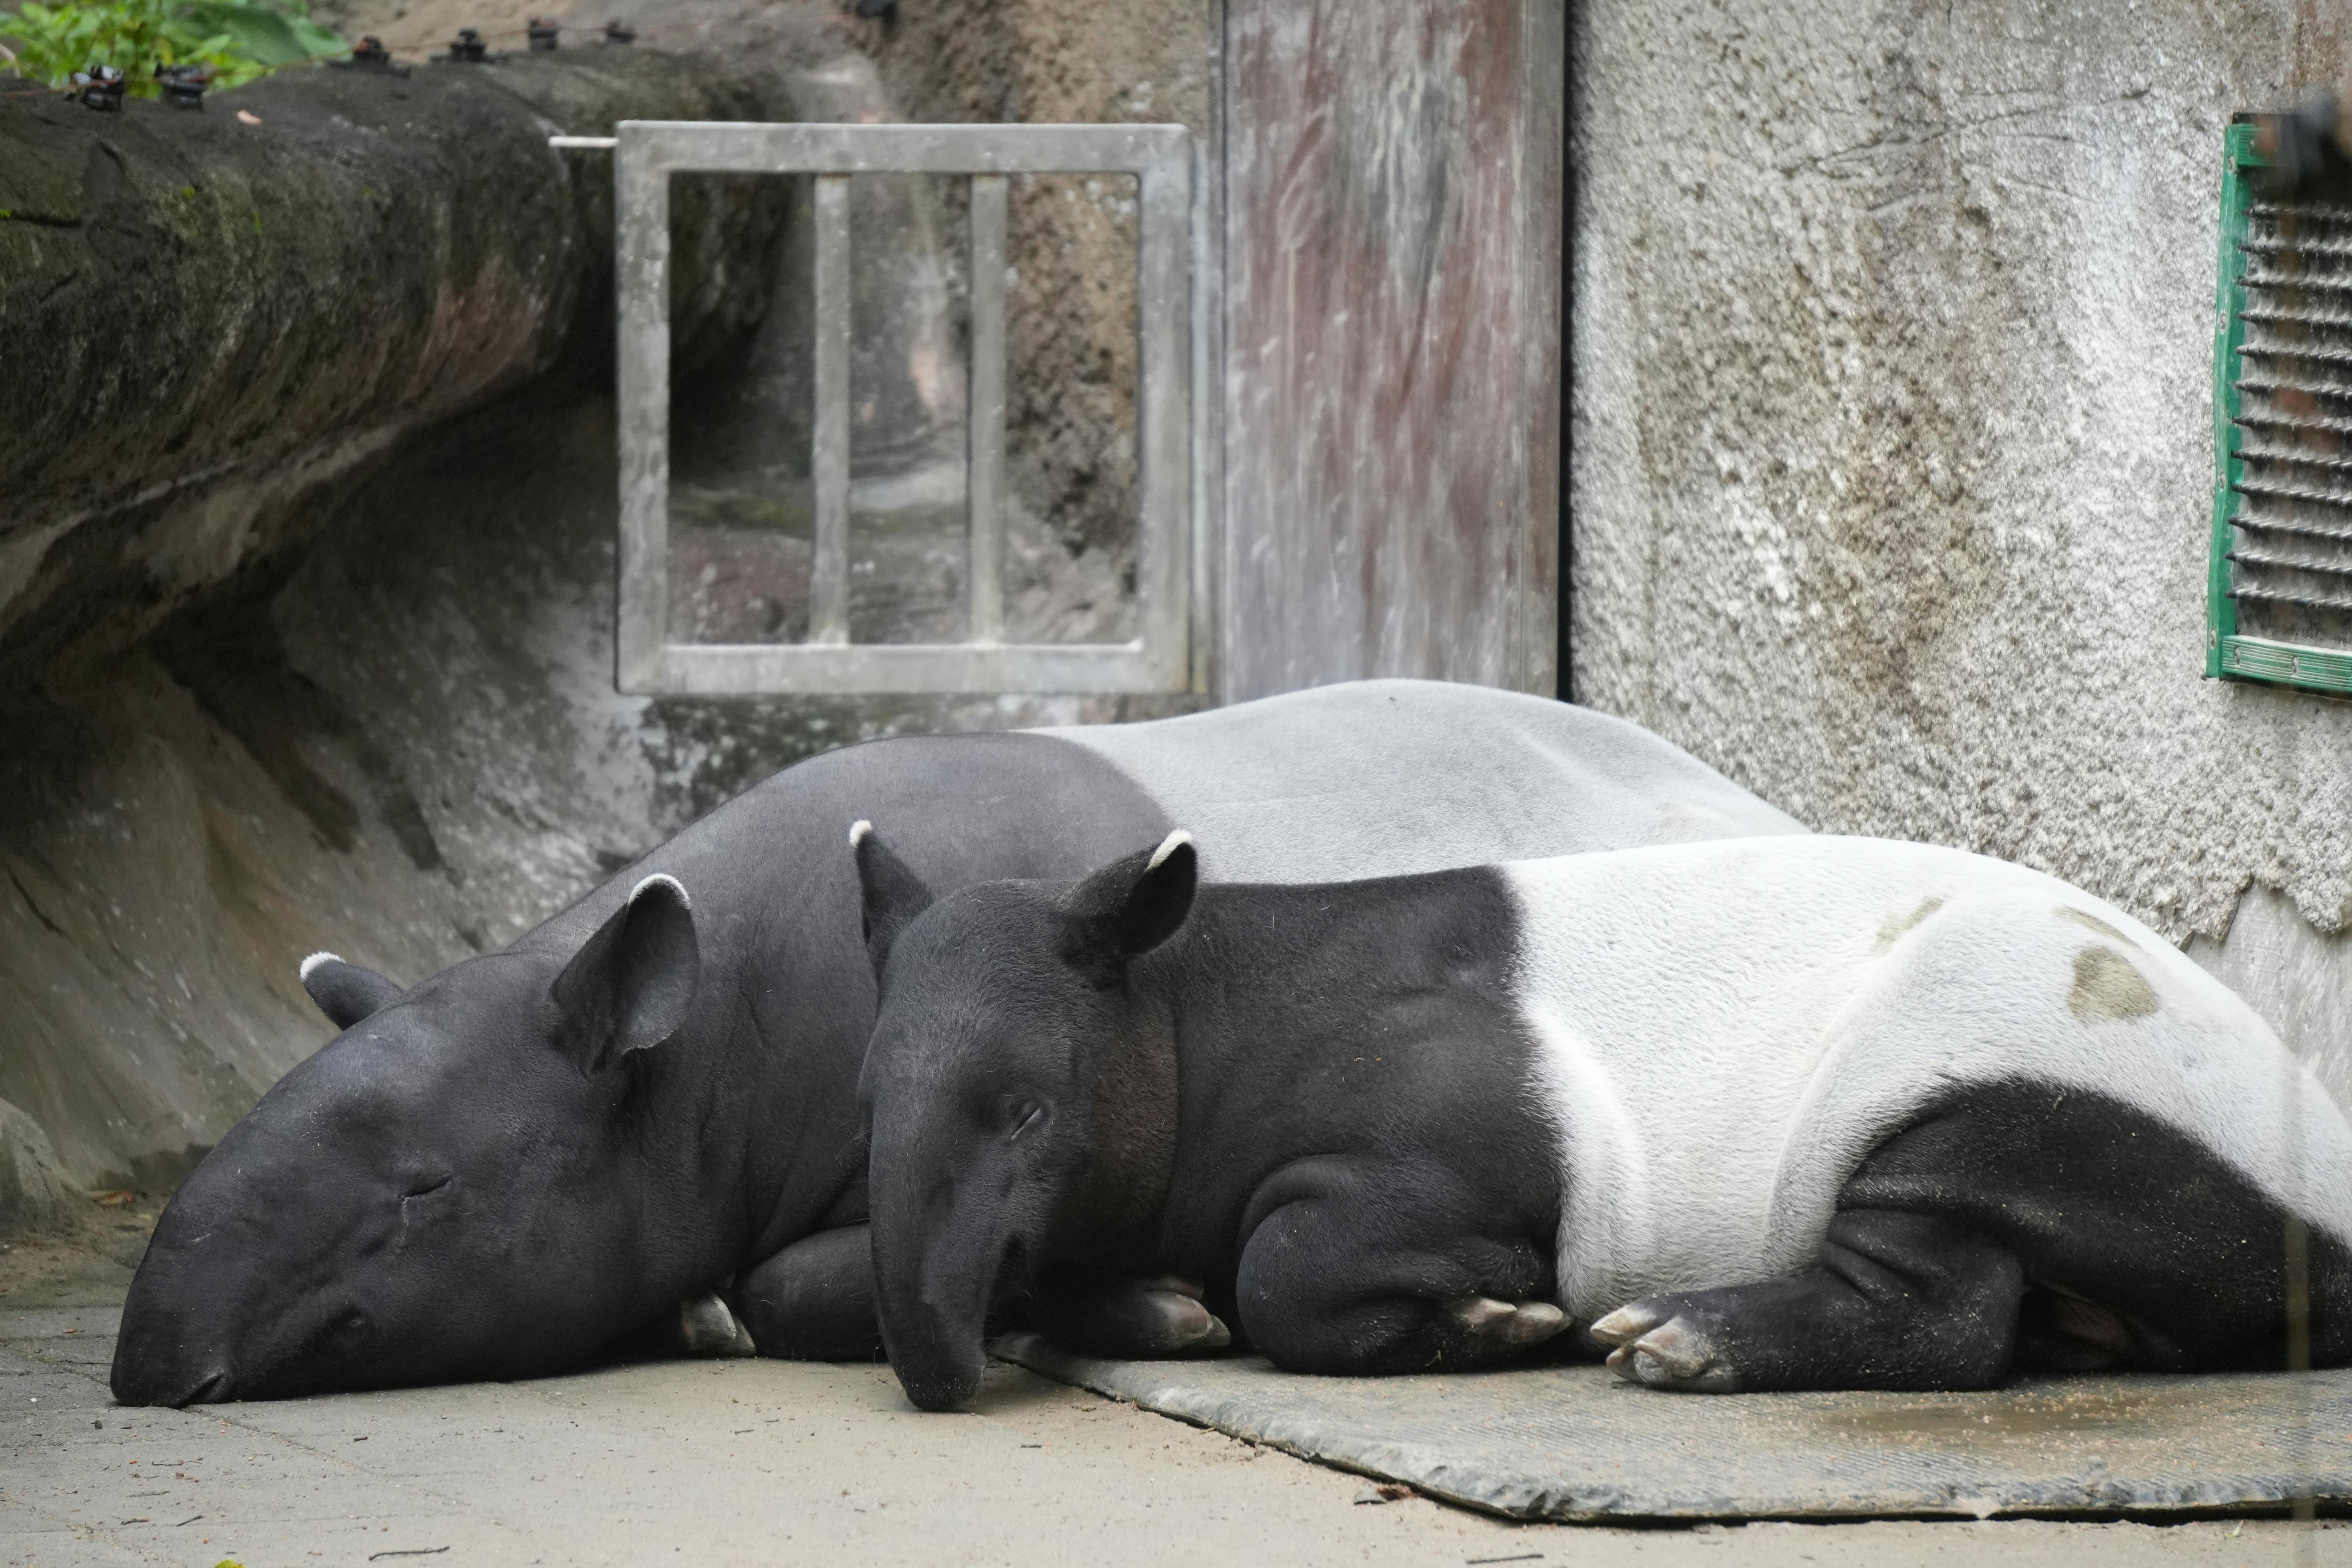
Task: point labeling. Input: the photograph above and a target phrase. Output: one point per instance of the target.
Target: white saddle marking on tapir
(1727, 1030)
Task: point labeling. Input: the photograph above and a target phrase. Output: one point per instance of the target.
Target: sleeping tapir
(1781, 1113)
(494, 1172)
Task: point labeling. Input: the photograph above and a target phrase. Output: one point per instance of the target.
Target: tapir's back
(1384, 778)
(1727, 1030)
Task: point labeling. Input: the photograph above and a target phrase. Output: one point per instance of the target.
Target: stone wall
(1893, 445)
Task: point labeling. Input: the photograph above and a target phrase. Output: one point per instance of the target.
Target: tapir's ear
(344, 992)
(1132, 906)
(892, 894)
(629, 986)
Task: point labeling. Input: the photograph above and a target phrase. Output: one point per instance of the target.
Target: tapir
(1775, 1114)
(495, 1172)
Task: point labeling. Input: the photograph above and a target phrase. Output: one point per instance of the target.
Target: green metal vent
(2279, 583)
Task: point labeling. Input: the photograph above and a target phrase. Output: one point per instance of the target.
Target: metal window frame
(2229, 655)
(1166, 656)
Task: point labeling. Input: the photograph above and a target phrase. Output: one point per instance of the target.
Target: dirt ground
(758, 1461)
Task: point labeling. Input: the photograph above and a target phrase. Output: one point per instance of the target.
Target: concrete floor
(757, 1462)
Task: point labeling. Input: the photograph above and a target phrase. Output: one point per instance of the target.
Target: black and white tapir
(1779, 1113)
(494, 1172)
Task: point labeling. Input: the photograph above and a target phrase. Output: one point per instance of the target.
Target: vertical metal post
(641, 230)
(829, 463)
(1163, 300)
(987, 433)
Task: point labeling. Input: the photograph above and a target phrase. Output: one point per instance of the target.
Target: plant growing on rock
(238, 39)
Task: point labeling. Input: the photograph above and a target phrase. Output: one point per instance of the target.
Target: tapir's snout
(933, 1292)
(220, 1307)
(153, 1380)
(172, 1355)
(161, 1358)
(940, 1251)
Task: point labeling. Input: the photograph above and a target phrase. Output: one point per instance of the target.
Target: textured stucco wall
(1892, 441)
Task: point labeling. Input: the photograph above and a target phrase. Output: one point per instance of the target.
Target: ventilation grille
(2280, 587)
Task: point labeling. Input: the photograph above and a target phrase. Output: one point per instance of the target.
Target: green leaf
(258, 33)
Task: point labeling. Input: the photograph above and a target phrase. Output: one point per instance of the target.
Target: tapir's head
(442, 1191)
(1020, 1091)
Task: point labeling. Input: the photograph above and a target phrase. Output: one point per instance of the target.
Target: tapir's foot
(1487, 1330)
(707, 1326)
(1145, 1319)
(1652, 1344)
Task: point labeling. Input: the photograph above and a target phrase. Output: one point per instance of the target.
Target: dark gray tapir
(1781, 1113)
(495, 1172)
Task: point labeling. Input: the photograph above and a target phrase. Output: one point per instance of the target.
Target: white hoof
(1673, 1355)
(707, 1326)
(1189, 1326)
(1626, 1323)
(1506, 1325)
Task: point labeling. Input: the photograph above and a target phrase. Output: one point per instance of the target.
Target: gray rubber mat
(1575, 1443)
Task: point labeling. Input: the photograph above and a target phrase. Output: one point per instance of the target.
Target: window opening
(692, 622)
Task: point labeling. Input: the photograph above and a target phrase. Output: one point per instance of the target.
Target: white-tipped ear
(632, 983)
(857, 832)
(1167, 846)
(344, 992)
(661, 879)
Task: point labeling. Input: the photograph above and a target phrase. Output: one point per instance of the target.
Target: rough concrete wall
(408, 750)
(1892, 441)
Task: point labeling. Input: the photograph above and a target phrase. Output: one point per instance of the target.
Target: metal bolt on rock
(468, 49)
(371, 55)
(99, 87)
(184, 86)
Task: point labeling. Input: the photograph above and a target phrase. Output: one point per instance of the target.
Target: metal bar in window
(829, 464)
(1163, 419)
(987, 437)
(640, 205)
(719, 147)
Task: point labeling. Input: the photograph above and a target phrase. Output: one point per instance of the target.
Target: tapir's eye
(1022, 1115)
(427, 1187)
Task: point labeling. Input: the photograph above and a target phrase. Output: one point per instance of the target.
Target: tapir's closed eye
(427, 1187)
(1021, 1115)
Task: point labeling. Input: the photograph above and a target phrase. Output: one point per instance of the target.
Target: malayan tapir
(1779, 1113)
(495, 1172)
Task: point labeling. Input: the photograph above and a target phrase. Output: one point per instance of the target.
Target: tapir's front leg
(1357, 1266)
(815, 1299)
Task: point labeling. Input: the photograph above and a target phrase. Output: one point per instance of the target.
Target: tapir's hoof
(1141, 1319)
(1626, 1325)
(1505, 1328)
(1672, 1354)
(1179, 1323)
(708, 1327)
